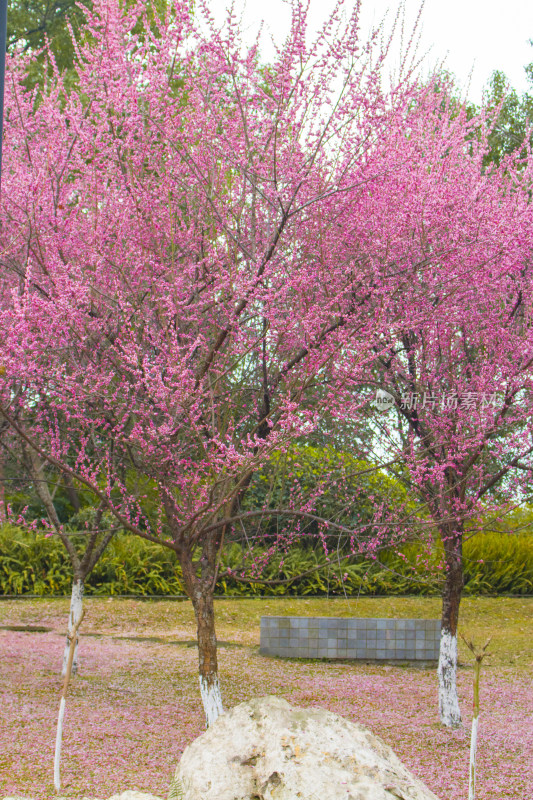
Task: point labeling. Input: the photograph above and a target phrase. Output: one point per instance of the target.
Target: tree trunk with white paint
(449, 711)
(62, 704)
(59, 741)
(200, 579)
(76, 610)
(207, 655)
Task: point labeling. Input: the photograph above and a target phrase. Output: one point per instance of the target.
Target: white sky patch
(471, 36)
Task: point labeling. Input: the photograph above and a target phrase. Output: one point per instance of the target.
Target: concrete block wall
(348, 637)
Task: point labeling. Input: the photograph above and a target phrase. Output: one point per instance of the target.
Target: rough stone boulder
(266, 749)
(132, 795)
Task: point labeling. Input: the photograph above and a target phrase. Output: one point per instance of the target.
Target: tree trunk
(76, 609)
(207, 653)
(3, 509)
(199, 578)
(449, 711)
(62, 704)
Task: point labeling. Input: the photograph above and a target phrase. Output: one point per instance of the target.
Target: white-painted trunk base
(449, 711)
(59, 739)
(211, 698)
(472, 773)
(76, 608)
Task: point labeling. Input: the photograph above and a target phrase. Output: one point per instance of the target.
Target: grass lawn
(135, 704)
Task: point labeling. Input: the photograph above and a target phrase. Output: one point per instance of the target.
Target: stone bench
(349, 637)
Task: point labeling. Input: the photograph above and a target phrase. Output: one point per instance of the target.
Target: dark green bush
(354, 490)
(506, 564)
(35, 564)
(494, 563)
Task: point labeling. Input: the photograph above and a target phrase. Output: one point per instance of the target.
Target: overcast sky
(472, 35)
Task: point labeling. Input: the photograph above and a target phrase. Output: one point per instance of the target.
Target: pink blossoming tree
(175, 279)
(93, 526)
(460, 383)
(192, 241)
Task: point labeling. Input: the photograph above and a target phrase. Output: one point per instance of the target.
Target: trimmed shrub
(494, 563)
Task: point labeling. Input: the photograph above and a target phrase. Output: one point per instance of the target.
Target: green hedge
(32, 564)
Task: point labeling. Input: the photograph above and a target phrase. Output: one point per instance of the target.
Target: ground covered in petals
(134, 706)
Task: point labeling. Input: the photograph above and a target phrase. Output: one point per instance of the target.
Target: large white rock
(266, 749)
(130, 795)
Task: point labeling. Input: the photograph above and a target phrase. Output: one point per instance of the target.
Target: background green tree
(31, 22)
(513, 118)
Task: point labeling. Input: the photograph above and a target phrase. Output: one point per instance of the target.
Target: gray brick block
(350, 637)
(300, 652)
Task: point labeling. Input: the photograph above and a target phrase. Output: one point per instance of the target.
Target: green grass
(508, 620)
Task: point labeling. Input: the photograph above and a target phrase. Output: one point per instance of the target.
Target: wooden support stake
(479, 656)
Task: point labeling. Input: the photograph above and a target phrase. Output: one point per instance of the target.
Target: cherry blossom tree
(461, 382)
(174, 278)
(84, 530)
(192, 242)
(462, 391)
(91, 525)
